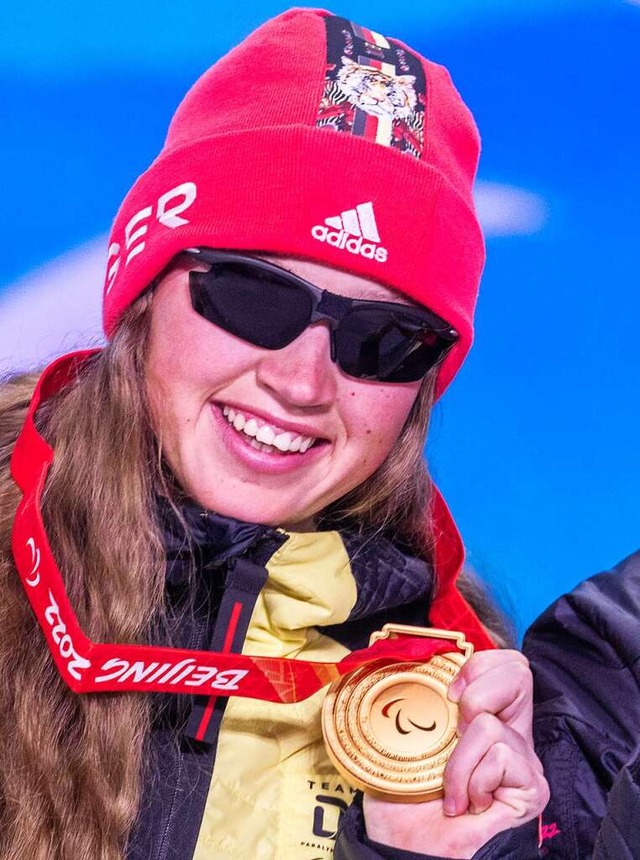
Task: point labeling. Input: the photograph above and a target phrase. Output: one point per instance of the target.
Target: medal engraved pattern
(390, 728)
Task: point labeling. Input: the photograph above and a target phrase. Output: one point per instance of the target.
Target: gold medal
(390, 729)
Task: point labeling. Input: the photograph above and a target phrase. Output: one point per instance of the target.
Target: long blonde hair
(69, 781)
(71, 765)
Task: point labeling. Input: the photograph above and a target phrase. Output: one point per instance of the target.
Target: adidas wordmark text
(350, 230)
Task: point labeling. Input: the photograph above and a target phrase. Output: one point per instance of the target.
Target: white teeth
(251, 427)
(265, 438)
(283, 441)
(265, 434)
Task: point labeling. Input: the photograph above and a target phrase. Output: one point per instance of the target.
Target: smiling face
(266, 436)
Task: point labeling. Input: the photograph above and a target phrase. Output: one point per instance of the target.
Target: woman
(289, 286)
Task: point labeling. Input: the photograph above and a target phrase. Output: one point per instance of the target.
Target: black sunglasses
(270, 307)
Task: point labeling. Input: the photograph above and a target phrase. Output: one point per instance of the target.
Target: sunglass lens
(388, 346)
(251, 304)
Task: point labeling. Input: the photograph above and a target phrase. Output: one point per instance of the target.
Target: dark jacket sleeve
(584, 654)
(353, 844)
(619, 835)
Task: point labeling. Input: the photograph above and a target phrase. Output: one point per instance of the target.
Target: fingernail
(449, 806)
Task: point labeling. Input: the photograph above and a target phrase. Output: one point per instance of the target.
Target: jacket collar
(192, 533)
(385, 575)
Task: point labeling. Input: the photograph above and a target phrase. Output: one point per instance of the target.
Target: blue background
(535, 446)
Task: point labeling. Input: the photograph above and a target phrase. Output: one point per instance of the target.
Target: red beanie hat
(316, 138)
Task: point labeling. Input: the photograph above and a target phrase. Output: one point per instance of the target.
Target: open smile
(265, 436)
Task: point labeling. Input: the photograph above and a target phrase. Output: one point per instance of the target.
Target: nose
(302, 374)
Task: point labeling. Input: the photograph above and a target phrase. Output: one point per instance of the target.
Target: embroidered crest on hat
(374, 88)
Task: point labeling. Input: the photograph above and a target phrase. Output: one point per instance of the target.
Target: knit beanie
(320, 139)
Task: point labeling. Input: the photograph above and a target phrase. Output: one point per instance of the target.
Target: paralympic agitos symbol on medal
(389, 727)
(399, 729)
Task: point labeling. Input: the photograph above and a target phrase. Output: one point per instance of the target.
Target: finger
(505, 776)
(528, 800)
(480, 663)
(497, 767)
(486, 778)
(481, 735)
(505, 691)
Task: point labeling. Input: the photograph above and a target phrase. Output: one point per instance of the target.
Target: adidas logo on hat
(355, 231)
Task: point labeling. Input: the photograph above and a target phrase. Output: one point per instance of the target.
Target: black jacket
(229, 568)
(585, 653)
(230, 558)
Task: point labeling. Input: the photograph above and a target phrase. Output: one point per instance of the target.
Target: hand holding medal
(492, 781)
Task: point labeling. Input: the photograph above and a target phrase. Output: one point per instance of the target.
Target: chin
(250, 513)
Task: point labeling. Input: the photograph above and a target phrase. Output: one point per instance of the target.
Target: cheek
(177, 380)
(376, 418)
(190, 360)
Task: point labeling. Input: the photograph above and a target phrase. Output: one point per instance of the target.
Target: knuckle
(517, 656)
(523, 681)
(475, 700)
(478, 664)
(488, 726)
(501, 752)
(522, 671)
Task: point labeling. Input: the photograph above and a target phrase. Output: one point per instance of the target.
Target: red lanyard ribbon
(94, 667)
